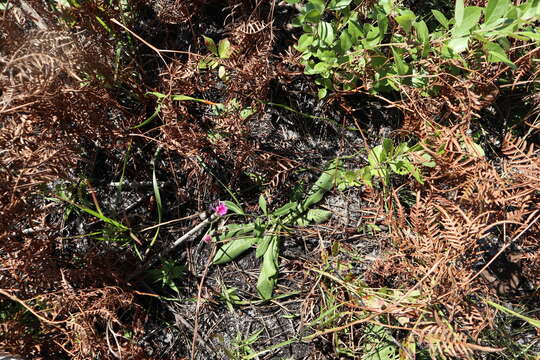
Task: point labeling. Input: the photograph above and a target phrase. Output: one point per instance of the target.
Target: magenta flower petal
(207, 239)
(221, 209)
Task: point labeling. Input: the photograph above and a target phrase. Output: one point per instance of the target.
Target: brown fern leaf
(442, 340)
(523, 163)
(33, 70)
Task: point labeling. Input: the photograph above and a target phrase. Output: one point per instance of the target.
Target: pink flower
(221, 209)
(207, 239)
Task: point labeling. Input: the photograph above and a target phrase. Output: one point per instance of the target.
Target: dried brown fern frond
(523, 161)
(175, 11)
(39, 68)
(443, 341)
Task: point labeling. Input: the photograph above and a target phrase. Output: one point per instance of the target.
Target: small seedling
(167, 274)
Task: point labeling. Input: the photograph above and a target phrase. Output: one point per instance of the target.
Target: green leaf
(233, 249)
(313, 16)
(325, 32)
(497, 54)
(304, 42)
(222, 73)
(97, 214)
(234, 208)
(236, 230)
(317, 4)
(321, 186)
(354, 29)
(459, 12)
(401, 65)
(262, 204)
(157, 196)
(224, 49)
(318, 216)
(471, 17)
(422, 32)
(533, 322)
(441, 18)
(531, 35)
(269, 271)
(262, 246)
(495, 10)
(406, 20)
(285, 209)
(345, 41)
(459, 45)
(210, 45)
(247, 112)
(322, 93)
(322, 68)
(340, 4)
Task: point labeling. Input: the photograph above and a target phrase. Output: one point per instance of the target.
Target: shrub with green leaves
(385, 160)
(391, 46)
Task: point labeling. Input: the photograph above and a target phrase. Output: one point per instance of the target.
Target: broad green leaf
(388, 147)
(302, 220)
(327, 56)
(210, 45)
(233, 249)
(269, 270)
(340, 4)
(497, 54)
(222, 73)
(235, 230)
(365, 175)
(304, 42)
(459, 45)
(224, 49)
(285, 209)
(531, 35)
(317, 4)
(322, 68)
(459, 13)
(422, 32)
(326, 32)
(321, 94)
(471, 17)
(379, 344)
(262, 246)
(262, 204)
(321, 186)
(234, 208)
(313, 16)
(354, 29)
(495, 10)
(441, 18)
(529, 10)
(318, 216)
(406, 20)
(345, 41)
(401, 65)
